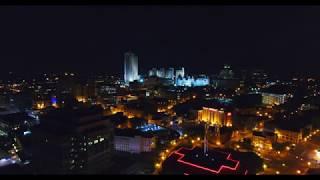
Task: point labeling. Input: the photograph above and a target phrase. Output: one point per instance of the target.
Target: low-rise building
(273, 99)
(215, 116)
(133, 141)
(294, 136)
(263, 140)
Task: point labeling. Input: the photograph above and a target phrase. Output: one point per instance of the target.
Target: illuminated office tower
(153, 72)
(130, 67)
(161, 73)
(180, 73)
(170, 73)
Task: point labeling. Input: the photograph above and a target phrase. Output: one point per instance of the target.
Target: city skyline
(200, 38)
(159, 90)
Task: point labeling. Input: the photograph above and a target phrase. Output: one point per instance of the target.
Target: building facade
(180, 73)
(288, 136)
(263, 141)
(82, 144)
(273, 99)
(132, 141)
(215, 117)
(131, 72)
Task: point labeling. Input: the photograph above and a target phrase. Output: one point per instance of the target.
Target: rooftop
(130, 132)
(194, 161)
(15, 118)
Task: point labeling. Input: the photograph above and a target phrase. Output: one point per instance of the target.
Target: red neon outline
(204, 168)
(245, 173)
(186, 174)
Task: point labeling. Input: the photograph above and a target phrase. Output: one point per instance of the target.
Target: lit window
(101, 139)
(96, 141)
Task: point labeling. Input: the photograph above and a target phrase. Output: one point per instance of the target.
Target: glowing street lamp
(277, 172)
(157, 165)
(298, 172)
(265, 166)
(318, 153)
(278, 152)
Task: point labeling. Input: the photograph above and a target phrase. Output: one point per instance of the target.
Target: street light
(309, 163)
(157, 165)
(277, 172)
(318, 153)
(283, 164)
(265, 166)
(298, 172)
(174, 143)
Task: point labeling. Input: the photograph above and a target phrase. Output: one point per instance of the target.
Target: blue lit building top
(149, 127)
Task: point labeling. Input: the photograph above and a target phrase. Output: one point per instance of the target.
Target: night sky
(201, 38)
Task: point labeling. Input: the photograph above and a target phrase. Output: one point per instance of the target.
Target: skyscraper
(153, 72)
(161, 73)
(130, 67)
(81, 145)
(170, 73)
(226, 72)
(180, 73)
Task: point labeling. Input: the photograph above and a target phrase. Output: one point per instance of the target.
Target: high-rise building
(180, 73)
(153, 72)
(170, 73)
(72, 140)
(226, 72)
(161, 73)
(130, 67)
